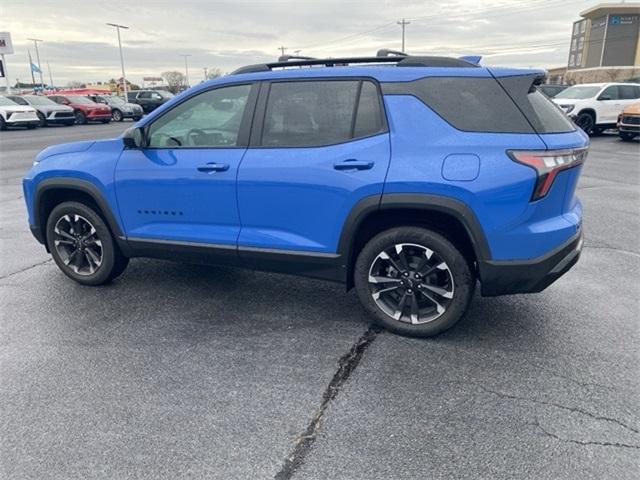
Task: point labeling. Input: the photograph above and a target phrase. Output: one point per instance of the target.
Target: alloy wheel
(585, 122)
(411, 283)
(78, 245)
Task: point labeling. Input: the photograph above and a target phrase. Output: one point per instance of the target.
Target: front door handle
(353, 164)
(213, 167)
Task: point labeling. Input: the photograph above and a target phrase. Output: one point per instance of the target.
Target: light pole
(186, 67)
(35, 41)
(124, 78)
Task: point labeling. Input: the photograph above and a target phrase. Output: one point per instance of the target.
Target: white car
(596, 106)
(14, 115)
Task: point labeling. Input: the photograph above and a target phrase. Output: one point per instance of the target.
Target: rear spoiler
(475, 59)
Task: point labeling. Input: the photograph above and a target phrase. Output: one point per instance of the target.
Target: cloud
(227, 34)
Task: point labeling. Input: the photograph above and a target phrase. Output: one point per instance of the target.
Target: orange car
(629, 122)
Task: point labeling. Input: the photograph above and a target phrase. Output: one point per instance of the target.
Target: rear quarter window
(475, 104)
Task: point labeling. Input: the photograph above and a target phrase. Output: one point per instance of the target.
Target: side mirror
(133, 138)
(604, 97)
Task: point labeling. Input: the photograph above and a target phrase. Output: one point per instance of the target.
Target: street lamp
(124, 78)
(35, 42)
(186, 67)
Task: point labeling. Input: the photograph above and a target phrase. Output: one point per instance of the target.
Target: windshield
(39, 100)
(165, 94)
(80, 100)
(5, 102)
(579, 92)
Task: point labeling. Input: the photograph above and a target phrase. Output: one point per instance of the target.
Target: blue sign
(615, 20)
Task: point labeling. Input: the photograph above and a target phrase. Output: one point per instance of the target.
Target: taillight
(547, 164)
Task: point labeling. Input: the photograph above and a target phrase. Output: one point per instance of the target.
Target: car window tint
(144, 95)
(309, 113)
(627, 92)
(210, 119)
(611, 92)
(369, 114)
(469, 104)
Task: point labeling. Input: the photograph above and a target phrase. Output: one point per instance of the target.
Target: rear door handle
(213, 167)
(353, 164)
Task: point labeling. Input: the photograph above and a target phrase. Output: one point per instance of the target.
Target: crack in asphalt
(346, 365)
(615, 249)
(25, 269)
(560, 406)
(583, 442)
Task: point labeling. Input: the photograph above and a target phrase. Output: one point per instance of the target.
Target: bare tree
(213, 73)
(176, 81)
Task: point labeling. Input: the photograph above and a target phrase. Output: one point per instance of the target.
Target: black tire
(461, 279)
(43, 120)
(112, 263)
(597, 131)
(81, 118)
(586, 121)
(626, 136)
(116, 115)
(3, 124)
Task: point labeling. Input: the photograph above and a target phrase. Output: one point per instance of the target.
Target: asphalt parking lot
(181, 371)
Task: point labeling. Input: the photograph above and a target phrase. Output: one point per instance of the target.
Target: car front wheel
(626, 136)
(586, 122)
(42, 119)
(413, 281)
(82, 245)
(116, 116)
(81, 118)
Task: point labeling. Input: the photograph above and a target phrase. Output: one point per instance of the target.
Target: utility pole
(206, 73)
(282, 49)
(124, 78)
(403, 23)
(186, 67)
(35, 41)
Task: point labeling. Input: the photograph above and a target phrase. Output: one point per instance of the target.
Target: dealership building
(605, 44)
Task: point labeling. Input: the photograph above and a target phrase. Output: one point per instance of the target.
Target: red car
(85, 110)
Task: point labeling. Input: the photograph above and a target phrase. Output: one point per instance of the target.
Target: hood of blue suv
(64, 148)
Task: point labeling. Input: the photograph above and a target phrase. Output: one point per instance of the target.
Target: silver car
(119, 108)
(49, 112)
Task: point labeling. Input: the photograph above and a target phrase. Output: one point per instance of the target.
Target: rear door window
(628, 92)
(316, 113)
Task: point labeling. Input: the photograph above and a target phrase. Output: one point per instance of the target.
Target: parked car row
(33, 111)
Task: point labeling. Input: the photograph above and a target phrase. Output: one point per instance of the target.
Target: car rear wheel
(116, 116)
(81, 118)
(82, 245)
(3, 124)
(413, 281)
(43, 120)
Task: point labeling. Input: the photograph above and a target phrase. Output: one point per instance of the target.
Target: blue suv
(409, 178)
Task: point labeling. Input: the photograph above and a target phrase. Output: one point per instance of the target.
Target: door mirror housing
(134, 138)
(604, 97)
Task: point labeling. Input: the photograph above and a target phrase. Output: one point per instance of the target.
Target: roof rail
(286, 58)
(385, 52)
(398, 60)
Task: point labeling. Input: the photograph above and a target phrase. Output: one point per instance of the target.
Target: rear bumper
(529, 276)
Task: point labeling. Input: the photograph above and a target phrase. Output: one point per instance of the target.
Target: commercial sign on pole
(6, 47)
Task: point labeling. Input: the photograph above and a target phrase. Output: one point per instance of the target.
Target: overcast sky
(228, 34)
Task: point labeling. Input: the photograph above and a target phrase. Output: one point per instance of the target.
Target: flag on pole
(34, 68)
